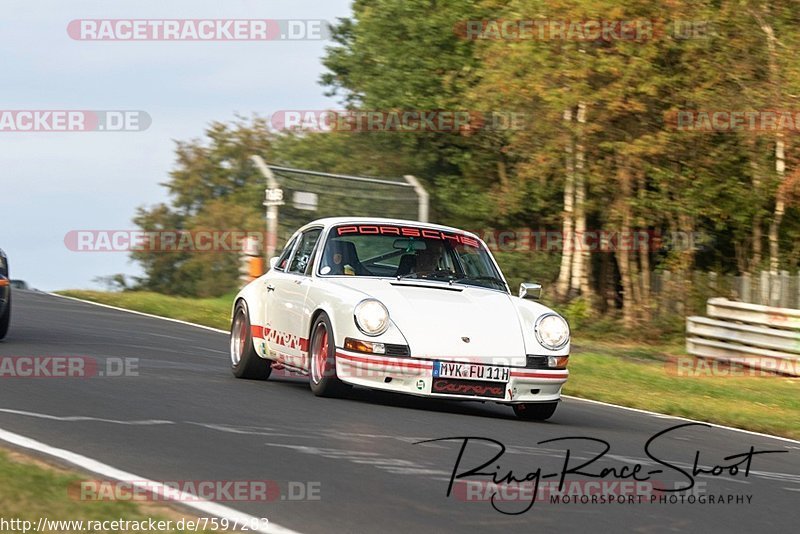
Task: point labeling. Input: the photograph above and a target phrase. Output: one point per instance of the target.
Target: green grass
(608, 367)
(213, 312)
(32, 489)
(762, 404)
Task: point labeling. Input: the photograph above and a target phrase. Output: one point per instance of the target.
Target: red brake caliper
(322, 356)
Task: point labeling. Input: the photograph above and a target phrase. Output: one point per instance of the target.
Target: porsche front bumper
(416, 377)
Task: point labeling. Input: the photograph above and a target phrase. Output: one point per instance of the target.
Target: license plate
(470, 371)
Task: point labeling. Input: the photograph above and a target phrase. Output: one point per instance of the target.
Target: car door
(271, 301)
(287, 316)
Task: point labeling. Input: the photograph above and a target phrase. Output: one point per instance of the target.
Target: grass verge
(769, 404)
(214, 312)
(33, 489)
(634, 374)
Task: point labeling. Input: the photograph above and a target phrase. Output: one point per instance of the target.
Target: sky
(52, 183)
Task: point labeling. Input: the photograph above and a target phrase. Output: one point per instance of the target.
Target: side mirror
(529, 290)
(273, 261)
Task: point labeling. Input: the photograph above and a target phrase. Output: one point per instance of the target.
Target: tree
(215, 188)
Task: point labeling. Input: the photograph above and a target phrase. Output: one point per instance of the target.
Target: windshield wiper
(432, 275)
(488, 278)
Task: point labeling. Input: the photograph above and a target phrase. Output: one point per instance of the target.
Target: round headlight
(552, 331)
(372, 317)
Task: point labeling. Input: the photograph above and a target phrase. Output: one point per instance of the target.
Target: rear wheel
(245, 363)
(535, 411)
(5, 319)
(322, 347)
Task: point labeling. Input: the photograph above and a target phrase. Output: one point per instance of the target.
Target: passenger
(429, 259)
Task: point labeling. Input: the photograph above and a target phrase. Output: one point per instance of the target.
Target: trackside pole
(424, 198)
(273, 199)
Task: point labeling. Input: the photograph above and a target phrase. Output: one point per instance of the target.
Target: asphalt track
(184, 417)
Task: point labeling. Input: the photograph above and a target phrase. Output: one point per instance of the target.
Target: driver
(334, 260)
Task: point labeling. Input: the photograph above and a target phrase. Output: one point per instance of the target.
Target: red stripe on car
(385, 361)
(257, 331)
(539, 375)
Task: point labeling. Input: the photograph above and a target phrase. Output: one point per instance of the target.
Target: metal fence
(688, 294)
(769, 289)
(297, 196)
(754, 335)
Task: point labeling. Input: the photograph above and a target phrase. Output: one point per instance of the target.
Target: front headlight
(371, 317)
(552, 331)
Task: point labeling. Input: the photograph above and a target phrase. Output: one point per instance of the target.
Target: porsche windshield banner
(406, 231)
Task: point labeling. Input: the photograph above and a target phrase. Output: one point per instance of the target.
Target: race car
(5, 295)
(401, 306)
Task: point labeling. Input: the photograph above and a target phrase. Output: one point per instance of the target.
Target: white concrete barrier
(764, 337)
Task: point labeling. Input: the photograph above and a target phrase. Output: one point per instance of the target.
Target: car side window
(283, 260)
(311, 260)
(305, 249)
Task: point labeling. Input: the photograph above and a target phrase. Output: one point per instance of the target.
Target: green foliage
(641, 172)
(214, 187)
(579, 312)
(519, 267)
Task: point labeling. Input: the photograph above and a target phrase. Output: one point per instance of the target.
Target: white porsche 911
(400, 306)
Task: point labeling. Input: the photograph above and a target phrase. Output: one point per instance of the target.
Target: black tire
(5, 319)
(535, 411)
(245, 362)
(322, 373)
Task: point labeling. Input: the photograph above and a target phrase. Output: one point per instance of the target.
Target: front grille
(535, 362)
(393, 349)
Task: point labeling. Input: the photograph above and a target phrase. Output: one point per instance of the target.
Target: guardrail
(763, 337)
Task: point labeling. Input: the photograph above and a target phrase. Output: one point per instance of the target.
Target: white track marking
(190, 501)
(72, 418)
(645, 412)
(391, 465)
(187, 323)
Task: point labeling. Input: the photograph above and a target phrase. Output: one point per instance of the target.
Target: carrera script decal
(459, 387)
(284, 339)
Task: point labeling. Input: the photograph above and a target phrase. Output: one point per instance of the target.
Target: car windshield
(408, 252)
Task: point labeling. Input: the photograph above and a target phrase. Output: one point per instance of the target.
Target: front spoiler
(415, 377)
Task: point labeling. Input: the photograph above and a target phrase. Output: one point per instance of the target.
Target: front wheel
(245, 363)
(535, 411)
(324, 382)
